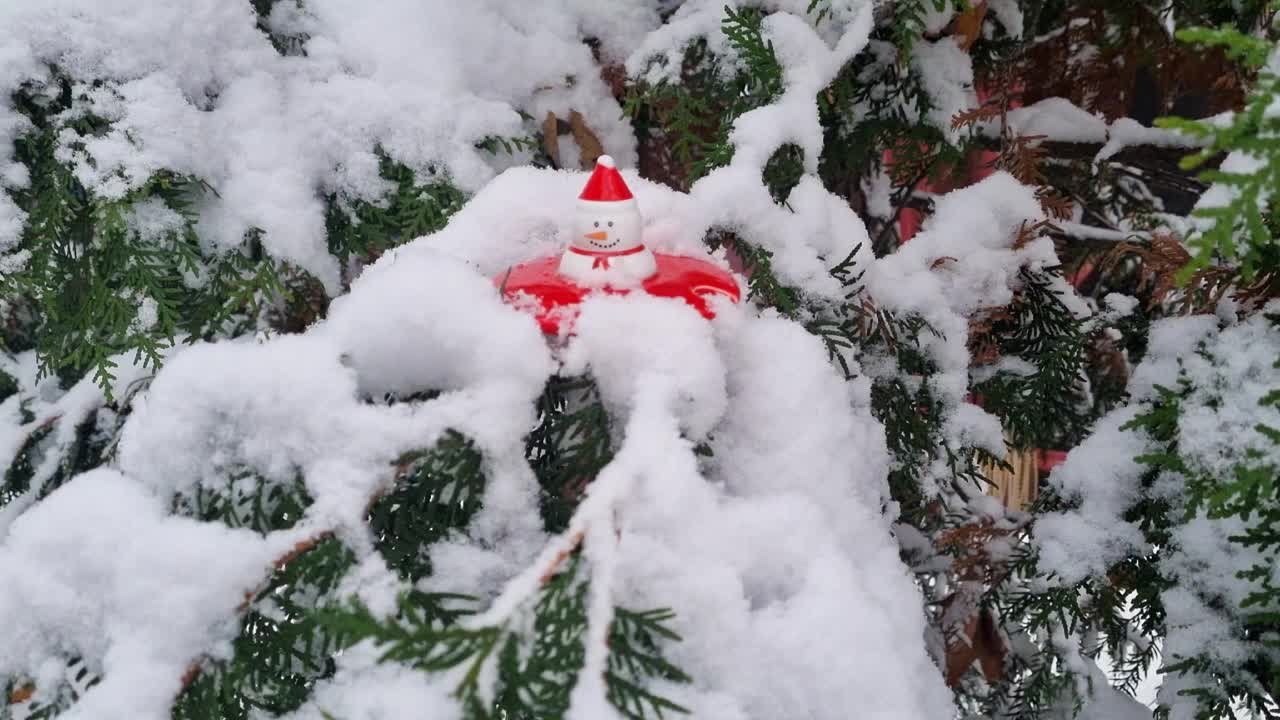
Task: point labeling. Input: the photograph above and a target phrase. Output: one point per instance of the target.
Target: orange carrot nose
(600, 235)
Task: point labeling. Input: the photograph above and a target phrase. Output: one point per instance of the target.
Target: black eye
(610, 223)
(597, 224)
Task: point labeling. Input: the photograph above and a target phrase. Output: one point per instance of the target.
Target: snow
(61, 411)
(1107, 703)
(1060, 120)
(1125, 132)
(1120, 305)
(1217, 195)
(392, 691)
(660, 53)
(1222, 369)
(963, 261)
(1091, 232)
(198, 89)
(79, 580)
(1103, 475)
(946, 73)
(776, 553)
(1009, 14)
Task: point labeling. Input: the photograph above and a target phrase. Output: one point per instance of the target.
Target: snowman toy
(606, 248)
(606, 255)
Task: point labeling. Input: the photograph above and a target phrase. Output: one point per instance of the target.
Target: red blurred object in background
(1050, 459)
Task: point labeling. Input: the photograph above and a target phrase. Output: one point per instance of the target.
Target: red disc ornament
(553, 298)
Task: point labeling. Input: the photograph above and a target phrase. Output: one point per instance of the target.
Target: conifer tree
(273, 447)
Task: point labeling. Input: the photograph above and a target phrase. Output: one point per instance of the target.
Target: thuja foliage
(296, 625)
(535, 674)
(697, 113)
(1237, 231)
(1051, 375)
(88, 284)
(364, 229)
(93, 281)
(569, 446)
(1125, 613)
(1039, 404)
(96, 279)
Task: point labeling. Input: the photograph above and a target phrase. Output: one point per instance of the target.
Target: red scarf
(602, 256)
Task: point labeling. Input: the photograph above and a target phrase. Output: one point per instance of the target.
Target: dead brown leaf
(22, 694)
(551, 138)
(968, 25)
(587, 140)
(979, 641)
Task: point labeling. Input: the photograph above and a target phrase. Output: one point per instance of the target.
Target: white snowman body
(606, 246)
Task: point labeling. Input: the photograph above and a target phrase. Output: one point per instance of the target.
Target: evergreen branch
(436, 492)
(569, 447)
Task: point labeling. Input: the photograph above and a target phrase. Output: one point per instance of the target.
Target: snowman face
(604, 227)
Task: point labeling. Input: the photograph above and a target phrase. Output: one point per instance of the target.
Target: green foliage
(878, 103)
(236, 291)
(1125, 608)
(763, 286)
(285, 44)
(86, 450)
(538, 681)
(1237, 232)
(75, 681)
(783, 171)
(98, 284)
(84, 269)
(697, 114)
(908, 24)
(1250, 493)
(1042, 409)
(410, 209)
(247, 500)
(534, 675)
(570, 445)
(1251, 51)
(8, 386)
(510, 145)
(283, 647)
(635, 644)
(436, 491)
(762, 73)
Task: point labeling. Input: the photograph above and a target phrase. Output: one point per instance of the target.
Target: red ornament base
(554, 296)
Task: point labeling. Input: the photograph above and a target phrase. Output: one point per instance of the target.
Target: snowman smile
(598, 242)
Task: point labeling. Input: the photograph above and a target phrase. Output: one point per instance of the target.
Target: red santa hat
(606, 186)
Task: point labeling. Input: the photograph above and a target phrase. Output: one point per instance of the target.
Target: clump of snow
(962, 262)
(101, 570)
(612, 342)
(1009, 14)
(1119, 304)
(937, 18)
(946, 73)
(1060, 120)
(200, 90)
(1125, 132)
(1221, 370)
(1102, 474)
(388, 691)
